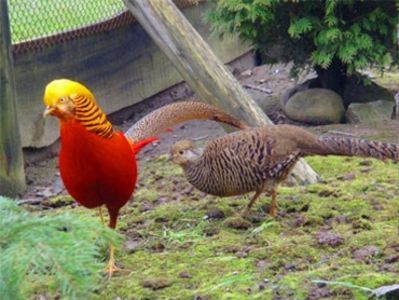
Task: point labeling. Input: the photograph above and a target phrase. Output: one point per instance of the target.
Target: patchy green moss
(58, 201)
(267, 258)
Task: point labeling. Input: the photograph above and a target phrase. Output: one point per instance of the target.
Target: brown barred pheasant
(259, 159)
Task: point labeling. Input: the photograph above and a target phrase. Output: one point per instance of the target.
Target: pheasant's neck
(87, 113)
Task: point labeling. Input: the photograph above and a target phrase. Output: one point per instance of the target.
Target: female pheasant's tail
(333, 145)
(170, 115)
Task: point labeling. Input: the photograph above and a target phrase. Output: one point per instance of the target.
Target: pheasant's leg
(100, 210)
(273, 206)
(247, 208)
(111, 267)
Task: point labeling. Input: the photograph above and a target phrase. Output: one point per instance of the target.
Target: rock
(261, 265)
(157, 247)
(389, 292)
(327, 238)
(215, 213)
(365, 253)
(246, 73)
(156, 283)
(308, 84)
(369, 112)
(211, 231)
(185, 274)
(347, 177)
(356, 91)
(315, 106)
(237, 223)
(132, 246)
(391, 259)
(365, 162)
(319, 293)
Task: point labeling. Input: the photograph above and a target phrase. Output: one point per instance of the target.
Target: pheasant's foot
(111, 266)
(244, 213)
(273, 211)
(273, 205)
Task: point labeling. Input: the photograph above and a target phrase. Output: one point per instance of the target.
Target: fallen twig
(258, 88)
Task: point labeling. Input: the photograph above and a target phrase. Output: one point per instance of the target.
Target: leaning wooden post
(12, 177)
(201, 68)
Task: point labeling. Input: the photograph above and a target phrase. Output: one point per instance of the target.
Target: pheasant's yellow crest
(61, 88)
(67, 99)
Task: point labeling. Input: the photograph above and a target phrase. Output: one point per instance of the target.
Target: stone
(327, 238)
(380, 110)
(156, 283)
(215, 213)
(388, 292)
(132, 246)
(268, 103)
(356, 91)
(365, 253)
(315, 106)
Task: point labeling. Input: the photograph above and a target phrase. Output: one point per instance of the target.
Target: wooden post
(12, 177)
(201, 68)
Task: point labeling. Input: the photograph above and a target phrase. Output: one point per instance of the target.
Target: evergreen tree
(337, 37)
(59, 254)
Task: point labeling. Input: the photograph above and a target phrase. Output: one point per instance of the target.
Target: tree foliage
(357, 33)
(58, 253)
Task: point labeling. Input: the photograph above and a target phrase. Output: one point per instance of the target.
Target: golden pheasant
(97, 164)
(259, 159)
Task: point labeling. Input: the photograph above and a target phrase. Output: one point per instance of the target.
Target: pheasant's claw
(273, 212)
(245, 213)
(111, 268)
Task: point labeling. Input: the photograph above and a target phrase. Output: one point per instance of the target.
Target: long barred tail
(357, 147)
(170, 115)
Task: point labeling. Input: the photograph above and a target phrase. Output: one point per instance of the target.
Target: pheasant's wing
(255, 152)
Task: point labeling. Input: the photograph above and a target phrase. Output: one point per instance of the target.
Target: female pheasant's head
(67, 99)
(183, 152)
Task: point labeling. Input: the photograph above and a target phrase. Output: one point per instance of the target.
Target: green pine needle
(60, 254)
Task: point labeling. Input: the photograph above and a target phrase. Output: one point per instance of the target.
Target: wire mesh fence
(32, 19)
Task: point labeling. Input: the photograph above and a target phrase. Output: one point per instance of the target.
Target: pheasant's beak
(49, 111)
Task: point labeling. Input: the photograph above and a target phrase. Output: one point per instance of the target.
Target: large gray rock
(356, 91)
(370, 112)
(315, 106)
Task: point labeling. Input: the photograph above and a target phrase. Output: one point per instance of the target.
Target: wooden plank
(12, 177)
(201, 68)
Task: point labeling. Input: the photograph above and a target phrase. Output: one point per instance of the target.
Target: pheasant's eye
(181, 152)
(62, 100)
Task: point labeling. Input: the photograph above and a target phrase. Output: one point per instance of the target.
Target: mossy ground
(177, 252)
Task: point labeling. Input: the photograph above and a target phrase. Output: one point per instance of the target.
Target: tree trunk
(200, 67)
(12, 177)
(333, 78)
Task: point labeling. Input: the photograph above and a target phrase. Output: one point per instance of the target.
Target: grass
(38, 18)
(182, 254)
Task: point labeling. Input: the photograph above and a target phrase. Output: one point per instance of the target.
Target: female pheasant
(97, 164)
(258, 159)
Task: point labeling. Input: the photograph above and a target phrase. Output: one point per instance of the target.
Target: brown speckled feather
(170, 115)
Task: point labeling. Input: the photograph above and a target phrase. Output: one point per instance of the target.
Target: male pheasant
(97, 164)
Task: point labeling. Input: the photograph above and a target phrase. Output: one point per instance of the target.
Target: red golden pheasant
(97, 164)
